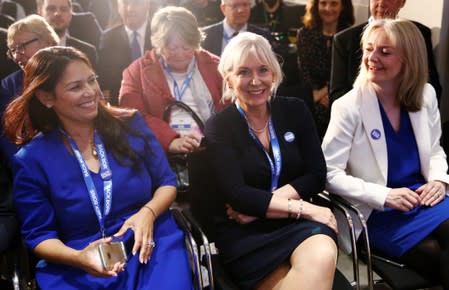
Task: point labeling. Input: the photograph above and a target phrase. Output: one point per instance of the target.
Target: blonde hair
(238, 49)
(409, 43)
(33, 24)
(170, 21)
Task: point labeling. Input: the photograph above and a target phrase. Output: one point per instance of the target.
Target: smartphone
(111, 253)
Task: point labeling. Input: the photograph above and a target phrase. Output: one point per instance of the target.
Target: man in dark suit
(58, 13)
(118, 45)
(347, 53)
(237, 13)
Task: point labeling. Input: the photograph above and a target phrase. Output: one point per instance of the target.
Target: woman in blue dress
(86, 172)
(383, 152)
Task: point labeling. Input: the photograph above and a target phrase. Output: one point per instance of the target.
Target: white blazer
(356, 151)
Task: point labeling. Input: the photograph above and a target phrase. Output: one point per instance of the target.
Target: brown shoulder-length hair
(26, 116)
(311, 18)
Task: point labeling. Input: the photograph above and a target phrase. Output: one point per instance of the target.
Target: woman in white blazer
(383, 153)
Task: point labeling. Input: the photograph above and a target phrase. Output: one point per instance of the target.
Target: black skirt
(251, 252)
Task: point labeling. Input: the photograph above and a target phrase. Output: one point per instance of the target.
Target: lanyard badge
(105, 173)
(276, 161)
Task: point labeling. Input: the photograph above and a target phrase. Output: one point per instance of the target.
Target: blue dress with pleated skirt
(392, 231)
(53, 203)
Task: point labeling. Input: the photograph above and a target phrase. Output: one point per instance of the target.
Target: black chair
(392, 272)
(6, 21)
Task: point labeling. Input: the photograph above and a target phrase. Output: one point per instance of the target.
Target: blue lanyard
(276, 164)
(105, 173)
(179, 93)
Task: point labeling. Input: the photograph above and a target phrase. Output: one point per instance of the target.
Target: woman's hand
(319, 214)
(239, 217)
(432, 192)
(142, 224)
(185, 144)
(402, 199)
(89, 261)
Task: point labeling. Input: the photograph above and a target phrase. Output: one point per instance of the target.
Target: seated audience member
(176, 69)
(25, 38)
(236, 13)
(347, 54)
(58, 14)
(265, 156)
(277, 15)
(383, 152)
(85, 27)
(322, 20)
(8, 66)
(110, 175)
(122, 44)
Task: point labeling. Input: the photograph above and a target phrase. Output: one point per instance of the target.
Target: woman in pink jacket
(176, 69)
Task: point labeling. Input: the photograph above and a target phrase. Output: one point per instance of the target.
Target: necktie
(135, 46)
(234, 34)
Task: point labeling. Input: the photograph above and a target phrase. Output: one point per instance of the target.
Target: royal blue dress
(392, 231)
(53, 203)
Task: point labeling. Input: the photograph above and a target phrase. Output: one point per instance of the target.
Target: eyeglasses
(20, 48)
(239, 5)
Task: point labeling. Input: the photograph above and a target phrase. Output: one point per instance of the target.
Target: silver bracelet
(301, 205)
(289, 204)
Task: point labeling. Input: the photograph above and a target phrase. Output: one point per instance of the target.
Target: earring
(48, 106)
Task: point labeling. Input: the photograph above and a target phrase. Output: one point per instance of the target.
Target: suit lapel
(374, 130)
(147, 45)
(126, 48)
(419, 121)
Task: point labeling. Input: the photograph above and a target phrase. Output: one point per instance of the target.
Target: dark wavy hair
(26, 116)
(311, 18)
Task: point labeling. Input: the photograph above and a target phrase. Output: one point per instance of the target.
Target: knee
(318, 252)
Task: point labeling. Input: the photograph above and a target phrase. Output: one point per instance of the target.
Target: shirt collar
(140, 31)
(228, 30)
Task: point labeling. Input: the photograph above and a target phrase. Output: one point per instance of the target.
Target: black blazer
(88, 49)
(85, 27)
(240, 166)
(114, 56)
(347, 56)
(214, 36)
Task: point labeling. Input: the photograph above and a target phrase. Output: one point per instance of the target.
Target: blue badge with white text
(375, 134)
(289, 137)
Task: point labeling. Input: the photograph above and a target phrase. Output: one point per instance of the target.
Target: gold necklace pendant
(94, 150)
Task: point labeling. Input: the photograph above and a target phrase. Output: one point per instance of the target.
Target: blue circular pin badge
(375, 134)
(289, 137)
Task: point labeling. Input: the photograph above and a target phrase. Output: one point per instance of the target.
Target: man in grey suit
(58, 13)
(116, 45)
(237, 13)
